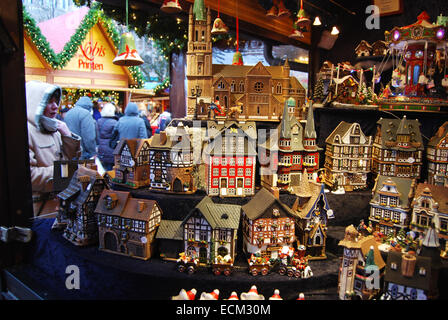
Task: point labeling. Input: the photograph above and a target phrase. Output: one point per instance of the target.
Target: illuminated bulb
(335, 31)
(317, 22)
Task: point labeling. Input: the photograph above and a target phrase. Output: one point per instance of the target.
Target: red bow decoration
(128, 52)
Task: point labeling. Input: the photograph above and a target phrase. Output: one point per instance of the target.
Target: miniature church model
(255, 92)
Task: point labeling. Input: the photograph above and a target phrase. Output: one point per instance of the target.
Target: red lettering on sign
(90, 52)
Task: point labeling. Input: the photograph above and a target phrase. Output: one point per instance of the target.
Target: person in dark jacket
(130, 126)
(96, 110)
(79, 120)
(106, 125)
(142, 115)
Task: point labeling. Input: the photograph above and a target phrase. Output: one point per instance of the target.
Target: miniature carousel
(419, 77)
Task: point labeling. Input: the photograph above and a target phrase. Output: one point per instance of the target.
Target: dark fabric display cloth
(109, 276)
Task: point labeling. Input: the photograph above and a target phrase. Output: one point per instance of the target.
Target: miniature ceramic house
(347, 157)
(207, 231)
(127, 225)
(410, 277)
(397, 148)
(268, 225)
(437, 155)
(230, 155)
(171, 162)
(379, 48)
(131, 167)
(390, 206)
(257, 91)
(284, 160)
(345, 89)
(364, 49)
(361, 259)
(430, 206)
(313, 211)
(63, 171)
(77, 204)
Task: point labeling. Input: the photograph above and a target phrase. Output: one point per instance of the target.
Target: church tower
(199, 57)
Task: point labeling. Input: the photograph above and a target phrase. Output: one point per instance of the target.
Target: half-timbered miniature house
(283, 161)
(362, 267)
(437, 156)
(132, 163)
(230, 157)
(363, 49)
(397, 148)
(171, 162)
(63, 171)
(390, 206)
(207, 231)
(430, 206)
(268, 224)
(127, 225)
(379, 48)
(77, 206)
(414, 277)
(347, 157)
(313, 211)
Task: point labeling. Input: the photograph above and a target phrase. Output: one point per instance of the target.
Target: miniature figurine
(185, 295)
(276, 295)
(214, 295)
(233, 296)
(252, 294)
(301, 296)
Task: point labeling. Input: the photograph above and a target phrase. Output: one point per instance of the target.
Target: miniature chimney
(163, 137)
(408, 265)
(140, 206)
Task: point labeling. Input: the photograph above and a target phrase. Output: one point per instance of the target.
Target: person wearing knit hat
(105, 126)
(79, 120)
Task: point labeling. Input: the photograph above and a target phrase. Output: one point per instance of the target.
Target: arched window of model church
(232, 86)
(241, 86)
(221, 85)
(225, 101)
(197, 35)
(279, 88)
(203, 36)
(258, 86)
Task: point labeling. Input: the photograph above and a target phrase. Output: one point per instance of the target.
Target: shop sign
(89, 52)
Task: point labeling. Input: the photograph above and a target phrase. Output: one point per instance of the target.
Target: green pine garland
(59, 61)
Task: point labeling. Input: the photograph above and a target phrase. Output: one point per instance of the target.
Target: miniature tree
(401, 237)
(319, 91)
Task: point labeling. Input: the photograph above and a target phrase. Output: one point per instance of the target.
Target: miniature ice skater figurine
(276, 295)
(301, 296)
(233, 296)
(252, 294)
(214, 295)
(185, 295)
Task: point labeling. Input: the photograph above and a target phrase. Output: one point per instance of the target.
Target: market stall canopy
(76, 50)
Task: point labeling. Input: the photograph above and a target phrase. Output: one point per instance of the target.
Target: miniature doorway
(177, 185)
(203, 255)
(239, 186)
(110, 241)
(223, 251)
(223, 186)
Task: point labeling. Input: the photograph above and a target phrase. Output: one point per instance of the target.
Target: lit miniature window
(422, 271)
(393, 266)
(419, 54)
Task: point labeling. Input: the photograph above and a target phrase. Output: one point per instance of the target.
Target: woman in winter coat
(49, 140)
(106, 125)
(131, 126)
